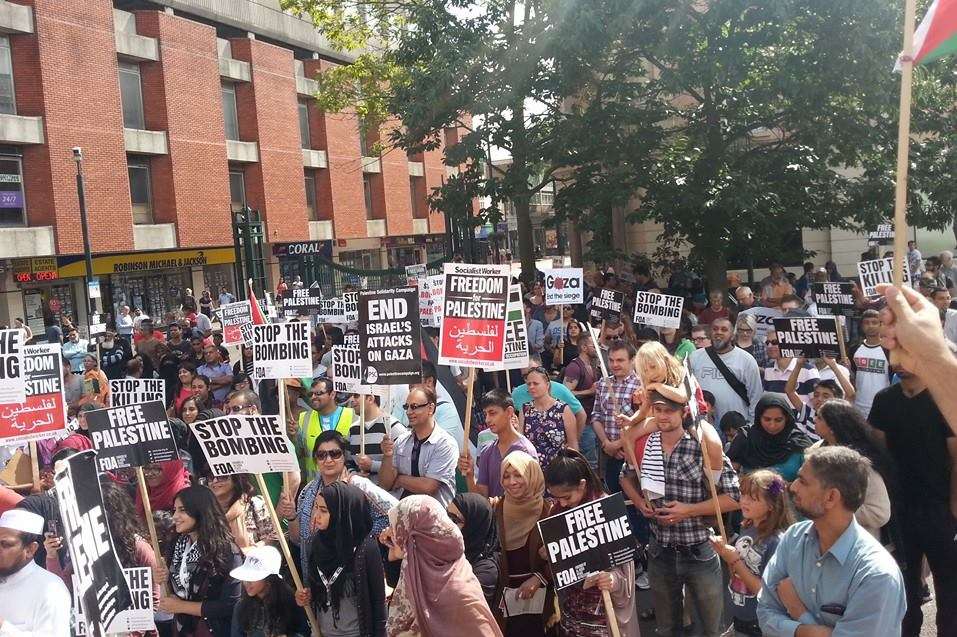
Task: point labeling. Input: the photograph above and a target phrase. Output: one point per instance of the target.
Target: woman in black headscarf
(472, 513)
(772, 442)
(346, 581)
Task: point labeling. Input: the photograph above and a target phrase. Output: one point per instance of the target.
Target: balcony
(33, 241)
(129, 44)
(420, 226)
(375, 227)
(306, 86)
(230, 68)
(314, 158)
(145, 142)
(320, 230)
(19, 129)
(15, 18)
(244, 152)
(154, 236)
(416, 169)
(371, 165)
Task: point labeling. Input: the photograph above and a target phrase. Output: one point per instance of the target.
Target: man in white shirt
(33, 602)
(745, 380)
(124, 324)
(869, 363)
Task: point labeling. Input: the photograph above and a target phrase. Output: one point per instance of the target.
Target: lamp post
(88, 255)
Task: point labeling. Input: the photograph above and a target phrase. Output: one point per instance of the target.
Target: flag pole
(903, 143)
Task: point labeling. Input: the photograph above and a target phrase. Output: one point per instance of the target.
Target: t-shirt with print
(742, 604)
(804, 419)
(871, 374)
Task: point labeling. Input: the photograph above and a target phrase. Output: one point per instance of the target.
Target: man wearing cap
(33, 601)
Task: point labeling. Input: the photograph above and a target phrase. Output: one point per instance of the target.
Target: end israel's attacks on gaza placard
(591, 537)
(131, 436)
(43, 413)
(13, 386)
(659, 310)
(130, 391)
(389, 336)
(245, 444)
(564, 286)
(282, 350)
(473, 315)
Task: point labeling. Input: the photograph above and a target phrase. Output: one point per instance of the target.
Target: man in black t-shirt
(925, 449)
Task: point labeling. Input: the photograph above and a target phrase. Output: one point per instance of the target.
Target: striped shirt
(775, 380)
(375, 433)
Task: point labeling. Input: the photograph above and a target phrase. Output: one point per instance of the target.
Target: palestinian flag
(936, 37)
(257, 313)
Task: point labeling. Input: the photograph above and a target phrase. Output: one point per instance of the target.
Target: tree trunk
(715, 268)
(526, 248)
(574, 243)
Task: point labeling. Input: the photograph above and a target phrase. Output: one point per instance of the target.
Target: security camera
(77, 153)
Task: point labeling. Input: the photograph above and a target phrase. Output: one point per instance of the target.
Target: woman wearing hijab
(522, 569)
(438, 594)
(773, 442)
(473, 514)
(346, 580)
(163, 481)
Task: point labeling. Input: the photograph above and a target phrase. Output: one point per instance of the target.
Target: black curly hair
(212, 531)
(123, 522)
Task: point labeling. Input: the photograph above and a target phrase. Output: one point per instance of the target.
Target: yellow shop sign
(74, 266)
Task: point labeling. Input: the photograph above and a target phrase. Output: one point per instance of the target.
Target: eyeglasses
(208, 480)
(235, 409)
(413, 406)
(699, 338)
(333, 454)
(745, 330)
(317, 394)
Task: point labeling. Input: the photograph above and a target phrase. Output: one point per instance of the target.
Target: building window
(12, 207)
(131, 92)
(237, 190)
(140, 194)
(311, 195)
(304, 125)
(230, 114)
(8, 103)
(367, 190)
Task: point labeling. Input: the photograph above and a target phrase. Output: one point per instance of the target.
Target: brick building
(185, 110)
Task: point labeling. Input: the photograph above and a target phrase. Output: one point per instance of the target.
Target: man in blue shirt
(829, 576)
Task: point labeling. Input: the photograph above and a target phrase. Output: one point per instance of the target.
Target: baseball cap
(261, 562)
(657, 399)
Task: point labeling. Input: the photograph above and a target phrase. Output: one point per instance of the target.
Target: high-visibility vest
(311, 424)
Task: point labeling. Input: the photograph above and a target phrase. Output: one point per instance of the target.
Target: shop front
(46, 296)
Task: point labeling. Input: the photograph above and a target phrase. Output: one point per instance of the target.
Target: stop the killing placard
(389, 336)
(473, 315)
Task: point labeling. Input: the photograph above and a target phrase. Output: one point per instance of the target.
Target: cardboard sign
(233, 317)
(834, 298)
(43, 413)
(431, 296)
(245, 444)
(101, 585)
(13, 385)
(876, 272)
(389, 337)
(589, 538)
(131, 436)
(473, 315)
(807, 337)
(605, 306)
(413, 273)
(331, 311)
(660, 310)
(764, 317)
(350, 301)
(131, 391)
(139, 618)
(564, 286)
(516, 333)
(346, 369)
(304, 302)
(883, 235)
(282, 350)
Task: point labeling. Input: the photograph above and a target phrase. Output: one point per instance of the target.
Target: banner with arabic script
(43, 414)
(473, 315)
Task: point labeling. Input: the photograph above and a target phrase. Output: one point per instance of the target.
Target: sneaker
(641, 581)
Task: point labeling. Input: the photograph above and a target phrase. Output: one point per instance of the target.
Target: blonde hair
(770, 487)
(653, 355)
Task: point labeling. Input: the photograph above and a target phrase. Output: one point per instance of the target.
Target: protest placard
(245, 444)
(413, 273)
(389, 337)
(516, 334)
(101, 584)
(883, 235)
(43, 413)
(659, 310)
(332, 310)
(350, 301)
(431, 295)
(473, 315)
(303, 301)
(13, 386)
(589, 538)
(834, 298)
(130, 391)
(764, 318)
(282, 350)
(131, 436)
(876, 272)
(606, 305)
(808, 337)
(346, 369)
(233, 317)
(139, 618)
(564, 286)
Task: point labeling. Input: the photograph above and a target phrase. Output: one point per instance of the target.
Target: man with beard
(33, 601)
(908, 420)
(829, 574)
(728, 372)
(114, 354)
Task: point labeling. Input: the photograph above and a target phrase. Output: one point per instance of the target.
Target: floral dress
(545, 430)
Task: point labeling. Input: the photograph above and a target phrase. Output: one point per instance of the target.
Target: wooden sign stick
(469, 397)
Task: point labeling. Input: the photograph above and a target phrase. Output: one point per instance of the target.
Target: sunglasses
(333, 454)
(413, 406)
(770, 342)
(540, 370)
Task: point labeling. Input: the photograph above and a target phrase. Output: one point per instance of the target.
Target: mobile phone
(52, 528)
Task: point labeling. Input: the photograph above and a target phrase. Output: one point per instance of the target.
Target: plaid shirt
(613, 396)
(685, 482)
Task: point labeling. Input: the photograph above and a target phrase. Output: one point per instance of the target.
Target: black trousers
(929, 530)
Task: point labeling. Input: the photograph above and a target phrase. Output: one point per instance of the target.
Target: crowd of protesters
(835, 478)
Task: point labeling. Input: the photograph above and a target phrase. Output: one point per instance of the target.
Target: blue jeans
(588, 445)
(698, 568)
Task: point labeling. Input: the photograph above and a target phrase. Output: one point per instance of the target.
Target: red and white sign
(564, 286)
(233, 317)
(473, 315)
(43, 414)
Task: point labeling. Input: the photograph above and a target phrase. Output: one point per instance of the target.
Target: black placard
(389, 337)
(595, 536)
(807, 337)
(834, 298)
(607, 304)
(304, 301)
(131, 436)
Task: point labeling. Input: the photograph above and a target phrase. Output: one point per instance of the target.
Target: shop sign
(73, 266)
(303, 248)
(35, 269)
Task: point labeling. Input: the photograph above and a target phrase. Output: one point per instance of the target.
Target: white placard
(282, 350)
(876, 272)
(564, 286)
(245, 444)
(133, 391)
(659, 310)
(13, 386)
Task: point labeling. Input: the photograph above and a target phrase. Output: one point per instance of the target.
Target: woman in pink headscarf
(437, 594)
